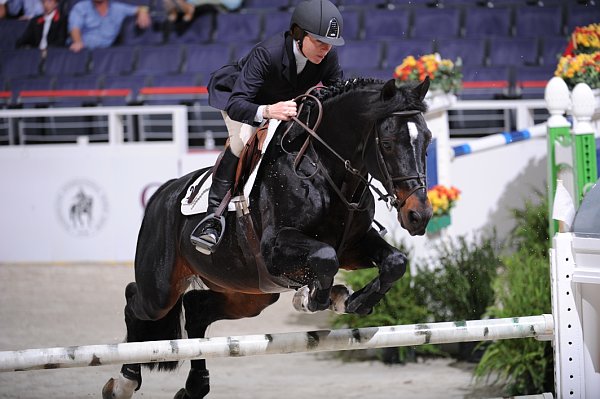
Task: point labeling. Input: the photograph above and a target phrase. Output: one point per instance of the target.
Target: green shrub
(457, 282)
(522, 289)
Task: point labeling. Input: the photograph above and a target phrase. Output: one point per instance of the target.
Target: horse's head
(401, 138)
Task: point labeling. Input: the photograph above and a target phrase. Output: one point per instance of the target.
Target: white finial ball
(583, 101)
(557, 95)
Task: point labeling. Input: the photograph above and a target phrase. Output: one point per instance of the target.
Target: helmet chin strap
(301, 41)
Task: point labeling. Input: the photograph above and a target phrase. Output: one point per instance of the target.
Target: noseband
(390, 197)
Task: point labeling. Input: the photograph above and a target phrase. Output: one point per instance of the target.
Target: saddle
(249, 159)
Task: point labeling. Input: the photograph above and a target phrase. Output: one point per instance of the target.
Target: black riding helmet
(321, 20)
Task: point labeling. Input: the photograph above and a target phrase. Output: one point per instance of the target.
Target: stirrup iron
(204, 246)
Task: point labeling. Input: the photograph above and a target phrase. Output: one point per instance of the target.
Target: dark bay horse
(313, 215)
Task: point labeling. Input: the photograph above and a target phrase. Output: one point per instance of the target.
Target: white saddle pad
(200, 202)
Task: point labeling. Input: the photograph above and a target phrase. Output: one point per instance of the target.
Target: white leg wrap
(339, 295)
(300, 299)
(124, 388)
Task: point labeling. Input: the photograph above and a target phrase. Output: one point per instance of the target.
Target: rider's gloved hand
(283, 110)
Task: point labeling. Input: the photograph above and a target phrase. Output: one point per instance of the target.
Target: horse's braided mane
(408, 100)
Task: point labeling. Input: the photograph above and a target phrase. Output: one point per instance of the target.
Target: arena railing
(204, 124)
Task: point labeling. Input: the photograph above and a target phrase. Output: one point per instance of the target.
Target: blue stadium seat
(132, 83)
(132, 35)
(10, 31)
(266, 4)
(470, 50)
(368, 3)
(397, 50)
(581, 15)
(113, 60)
(62, 61)
(159, 60)
(360, 54)
(179, 80)
(147, 3)
(76, 83)
(375, 73)
(240, 50)
(531, 80)
(205, 59)
(352, 24)
(483, 21)
(513, 51)
(238, 27)
(485, 83)
(386, 24)
(200, 30)
(276, 22)
(533, 21)
(551, 49)
(178, 89)
(436, 22)
(17, 85)
(20, 63)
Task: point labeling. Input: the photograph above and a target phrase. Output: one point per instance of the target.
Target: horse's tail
(167, 328)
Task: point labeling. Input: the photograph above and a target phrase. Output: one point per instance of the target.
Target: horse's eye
(386, 145)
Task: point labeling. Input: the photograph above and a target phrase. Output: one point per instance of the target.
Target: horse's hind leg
(205, 307)
(152, 314)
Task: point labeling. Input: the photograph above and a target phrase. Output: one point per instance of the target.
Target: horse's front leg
(391, 263)
(302, 259)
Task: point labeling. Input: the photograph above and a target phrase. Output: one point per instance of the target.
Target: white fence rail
(540, 327)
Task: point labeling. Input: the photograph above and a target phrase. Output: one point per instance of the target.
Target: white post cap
(583, 108)
(558, 102)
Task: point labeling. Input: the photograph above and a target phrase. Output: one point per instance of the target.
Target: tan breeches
(239, 134)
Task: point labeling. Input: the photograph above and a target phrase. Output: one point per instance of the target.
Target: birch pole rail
(540, 327)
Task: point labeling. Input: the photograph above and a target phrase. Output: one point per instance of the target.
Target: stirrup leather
(202, 245)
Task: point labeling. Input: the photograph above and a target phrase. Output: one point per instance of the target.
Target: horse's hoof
(107, 390)
(181, 394)
(339, 295)
(123, 388)
(300, 300)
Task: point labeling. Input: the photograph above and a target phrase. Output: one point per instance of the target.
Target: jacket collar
(55, 18)
(288, 60)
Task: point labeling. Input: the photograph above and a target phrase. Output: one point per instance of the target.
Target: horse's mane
(407, 100)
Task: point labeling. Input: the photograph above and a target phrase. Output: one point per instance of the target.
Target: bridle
(421, 178)
(390, 197)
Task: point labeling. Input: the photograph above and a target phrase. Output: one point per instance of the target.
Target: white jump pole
(540, 327)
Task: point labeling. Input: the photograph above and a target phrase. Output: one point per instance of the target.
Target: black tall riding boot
(210, 228)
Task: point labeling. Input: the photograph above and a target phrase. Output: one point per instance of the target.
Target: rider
(261, 86)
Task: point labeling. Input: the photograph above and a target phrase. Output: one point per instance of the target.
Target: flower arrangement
(445, 75)
(581, 60)
(443, 199)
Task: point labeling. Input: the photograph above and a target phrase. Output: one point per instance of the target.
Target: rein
(390, 197)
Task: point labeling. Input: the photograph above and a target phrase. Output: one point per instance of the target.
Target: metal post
(557, 101)
(584, 148)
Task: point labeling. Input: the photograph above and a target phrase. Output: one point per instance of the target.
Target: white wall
(40, 186)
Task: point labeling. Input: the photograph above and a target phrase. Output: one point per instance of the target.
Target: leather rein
(390, 197)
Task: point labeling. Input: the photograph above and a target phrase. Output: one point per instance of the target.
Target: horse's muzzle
(415, 214)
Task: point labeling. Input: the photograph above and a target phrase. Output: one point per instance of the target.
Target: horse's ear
(422, 88)
(389, 90)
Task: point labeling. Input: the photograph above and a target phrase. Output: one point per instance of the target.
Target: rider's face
(315, 50)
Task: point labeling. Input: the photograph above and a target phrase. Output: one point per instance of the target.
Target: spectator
(22, 9)
(45, 30)
(96, 23)
(188, 7)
